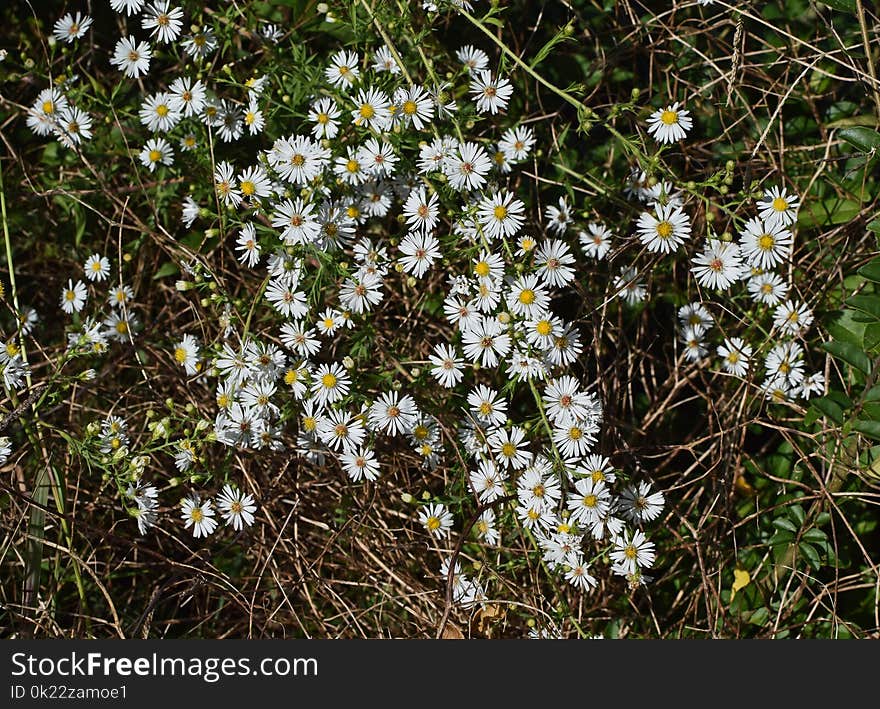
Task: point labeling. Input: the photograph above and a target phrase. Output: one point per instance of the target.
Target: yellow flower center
(597, 476)
(575, 433)
(329, 323)
(485, 408)
(669, 117)
(367, 111)
(162, 110)
(196, 515)
(309, 423)
(328, 380)
(180, 355)
(409, 107)
(544, 328)
(527, 296)
(290, 377)
(780, 204)
(766, 242)
(352, 166)
(48, 107)
(482, 269)
(433, 524)
(508, 450)
(155, 155)
(297, 160)
(248, 188)
(590, 500)
(420, 432)
(122, 327)
(500, 212)
(664, 230)
(630, 552)
(323, 118)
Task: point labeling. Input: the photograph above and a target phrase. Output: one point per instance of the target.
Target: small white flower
(669, 124)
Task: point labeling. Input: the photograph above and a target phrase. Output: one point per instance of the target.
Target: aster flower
(670, 124)
(664, 230)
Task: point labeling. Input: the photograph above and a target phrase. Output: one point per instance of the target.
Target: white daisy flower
(446, 365)
(491, 95)
(419, 252)
(778, 208)
(414, 106)
(331, 383)
(360, 464)
(237, 507)
(670, 124)
(526, 297)
(97, 267)
(132, 57)
(73, 297)
(718, 266)
(393, 414)
(628, 285)
(595, 241)
(487, 405)
(383, 60)
(664, 230)
(158, 112)
(69, 28)
(186, 354)
(199, 515)
(474, 59)
(633, 552)
(735, 354)
(165, 24)
(156, 152)
(343, 70)
(767, 288)
(187, 98)
(500, 215)
(792, 317)
(324, 113)
(516, 143)
(436, 519)
(372, 109)
(765, 244)
(200, 44)
(466, 166)
(248, 246)
(553, 263)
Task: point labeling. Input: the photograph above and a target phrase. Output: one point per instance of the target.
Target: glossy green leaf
(869, 428)
(848, 353)
(864, 139)
(871, 270)
(869, 304)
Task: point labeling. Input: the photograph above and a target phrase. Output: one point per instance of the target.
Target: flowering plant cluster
(376, 287)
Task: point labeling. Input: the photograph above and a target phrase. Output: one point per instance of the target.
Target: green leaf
(169, 268)
(869, 304)
(814, 536)
(874, 225)
(864, 139)
(841, 5)
(869, 428)
(810, 554)
(848, 353)
(785, 523)
(829, 408)
(872, 336)
(861, 120)
(871, 270)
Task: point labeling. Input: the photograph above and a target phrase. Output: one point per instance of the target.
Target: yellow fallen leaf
(741, 579)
